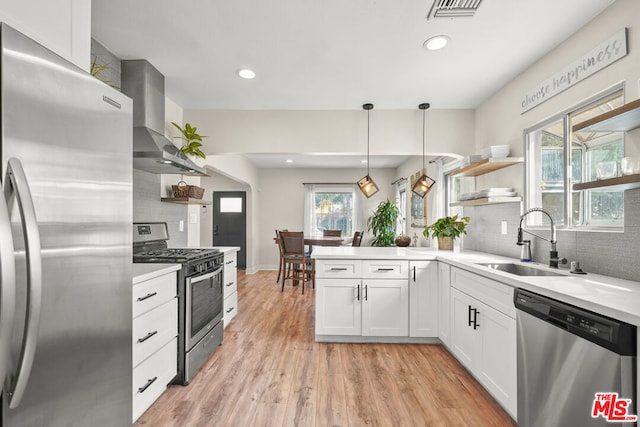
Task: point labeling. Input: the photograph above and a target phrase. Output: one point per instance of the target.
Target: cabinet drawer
(230, 260)
(151, 293)
(492, 293)
(151, 377)
(385, 269)
(338, 268)
(230, 285)
(230, 308)
(154, 329)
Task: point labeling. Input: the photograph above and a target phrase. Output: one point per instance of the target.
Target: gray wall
(615, 254)
(147, 207)
(111, 74)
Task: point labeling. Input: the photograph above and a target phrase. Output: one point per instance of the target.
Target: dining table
(321, 240)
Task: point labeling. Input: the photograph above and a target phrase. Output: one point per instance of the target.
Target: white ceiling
(333, 54)
(268, 161)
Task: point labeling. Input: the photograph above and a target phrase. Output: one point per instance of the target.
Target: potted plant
(383, 224)
(447, 229)
(193, 141)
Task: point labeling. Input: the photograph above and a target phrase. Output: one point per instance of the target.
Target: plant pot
(403, 240)
(445, 243)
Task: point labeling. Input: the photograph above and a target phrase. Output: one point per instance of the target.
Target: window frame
(530, 169)
(331, 188)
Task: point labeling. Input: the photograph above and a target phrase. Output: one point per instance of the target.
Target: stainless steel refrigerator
(65, 242)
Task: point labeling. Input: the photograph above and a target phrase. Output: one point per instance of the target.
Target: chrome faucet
(525, 254)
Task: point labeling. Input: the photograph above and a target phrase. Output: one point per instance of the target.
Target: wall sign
(606, 53)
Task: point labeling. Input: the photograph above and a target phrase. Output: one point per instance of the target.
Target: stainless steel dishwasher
(565, 356)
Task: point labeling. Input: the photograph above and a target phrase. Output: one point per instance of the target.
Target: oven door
(204, 299)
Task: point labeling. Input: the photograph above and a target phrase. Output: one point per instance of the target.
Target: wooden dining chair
(332, 233)
(297, 265)
(357, 238)
(281, 263)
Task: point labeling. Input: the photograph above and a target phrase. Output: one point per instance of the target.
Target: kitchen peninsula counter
(610, 296)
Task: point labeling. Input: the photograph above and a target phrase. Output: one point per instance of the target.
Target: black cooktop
(174, 255)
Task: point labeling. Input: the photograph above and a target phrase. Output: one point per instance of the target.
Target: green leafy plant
(96, 71)
(383, 224)
(193, 141)
(448, 226)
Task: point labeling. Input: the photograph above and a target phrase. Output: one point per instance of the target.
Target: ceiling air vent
(453, 8)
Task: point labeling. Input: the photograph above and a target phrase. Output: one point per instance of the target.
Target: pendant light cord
(424, 148)
(368, 142)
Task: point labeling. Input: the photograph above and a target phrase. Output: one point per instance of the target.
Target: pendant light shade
(424, 183)
(366, 184)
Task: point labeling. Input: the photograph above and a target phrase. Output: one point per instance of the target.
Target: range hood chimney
(152, 151)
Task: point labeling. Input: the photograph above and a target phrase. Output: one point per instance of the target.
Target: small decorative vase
(445, 243)
(403, 240)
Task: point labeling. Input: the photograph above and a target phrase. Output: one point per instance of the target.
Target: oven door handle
(195, 279)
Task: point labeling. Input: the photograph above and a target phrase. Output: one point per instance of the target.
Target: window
(331, 207)
(557, 158)
(401, 203)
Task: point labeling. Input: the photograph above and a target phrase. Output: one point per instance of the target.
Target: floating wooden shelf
(185, 201)
(486, 166)
(625, 182)
(621, 119)
(487, 201)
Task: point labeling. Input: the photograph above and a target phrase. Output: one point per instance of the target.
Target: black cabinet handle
(147, 296)
(147, 385)
(476, 325)
(366, 292)
(469, 315)
(146, 337)
(229, 284)
(414, 273)
(229, 262)
(338, 268)
(358, 293)
(230, 310)
(385, 269)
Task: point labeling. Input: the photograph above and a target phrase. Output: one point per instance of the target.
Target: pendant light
(424, 183)
(366, 184)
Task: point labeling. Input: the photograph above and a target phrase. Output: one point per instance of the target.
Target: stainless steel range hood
(152, 151)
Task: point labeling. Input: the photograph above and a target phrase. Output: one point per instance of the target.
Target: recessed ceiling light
(289, 161)
(246, 73)
(363, 161)
(436, 42)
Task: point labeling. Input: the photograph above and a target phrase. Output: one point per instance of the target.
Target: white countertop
(610, 296)
(144, 271)
(224, 249)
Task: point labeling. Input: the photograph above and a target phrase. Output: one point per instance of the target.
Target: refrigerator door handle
(17, 188)
(7, 289)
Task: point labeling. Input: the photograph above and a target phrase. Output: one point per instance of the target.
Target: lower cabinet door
(423, 299)
(444, 305)
(497, 367)
(464, 339)
(338, 307)
(151, 377)
(385, 308)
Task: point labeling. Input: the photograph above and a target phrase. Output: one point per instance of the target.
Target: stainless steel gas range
(200, 294)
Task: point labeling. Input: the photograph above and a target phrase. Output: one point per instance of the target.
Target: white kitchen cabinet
(385, 307)
(230, 304)
(362, 298)
(63, 26)
(154, 335)
(483, 333)
(444, 298)
(338, 307)
(423, 298)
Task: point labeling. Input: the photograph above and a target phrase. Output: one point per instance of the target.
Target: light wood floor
(270, 372)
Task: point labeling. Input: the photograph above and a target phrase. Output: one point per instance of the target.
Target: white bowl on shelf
(495, 151)
(630, 165)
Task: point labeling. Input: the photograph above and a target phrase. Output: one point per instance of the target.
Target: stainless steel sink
(519, 269)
